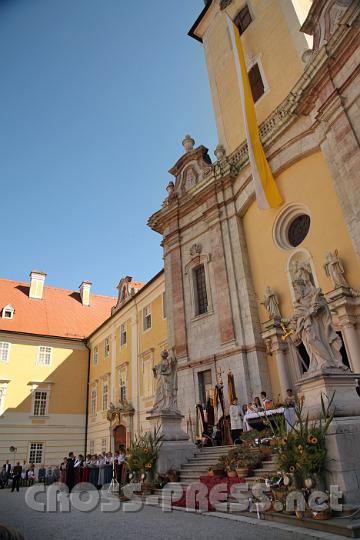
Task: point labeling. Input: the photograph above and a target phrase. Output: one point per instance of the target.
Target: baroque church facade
(230, 268)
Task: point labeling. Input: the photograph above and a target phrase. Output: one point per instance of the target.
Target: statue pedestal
(176, 447)
(314, 383)
(343, 436)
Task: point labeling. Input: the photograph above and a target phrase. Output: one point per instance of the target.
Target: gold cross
(287, 332)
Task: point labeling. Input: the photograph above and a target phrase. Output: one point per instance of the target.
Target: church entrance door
(119, 437)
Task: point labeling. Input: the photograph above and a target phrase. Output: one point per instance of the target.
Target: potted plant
(143, 455)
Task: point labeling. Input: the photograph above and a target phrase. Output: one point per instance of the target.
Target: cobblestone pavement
(150, 523)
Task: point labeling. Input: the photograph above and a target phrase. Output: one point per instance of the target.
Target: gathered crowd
(98, 469)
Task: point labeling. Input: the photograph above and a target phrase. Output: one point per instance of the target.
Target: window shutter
(256, 82)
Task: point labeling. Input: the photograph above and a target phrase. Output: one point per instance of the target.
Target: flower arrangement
(302, 452)
(144, 452)
(242, 460)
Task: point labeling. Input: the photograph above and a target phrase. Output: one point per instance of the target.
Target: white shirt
(235, 417)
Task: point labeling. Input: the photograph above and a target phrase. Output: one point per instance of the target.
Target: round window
(298, 229)
(291, 226)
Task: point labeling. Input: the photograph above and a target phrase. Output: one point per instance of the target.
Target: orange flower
(146, 450)
(148, 466)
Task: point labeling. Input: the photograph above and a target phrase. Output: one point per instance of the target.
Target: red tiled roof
(59, 313)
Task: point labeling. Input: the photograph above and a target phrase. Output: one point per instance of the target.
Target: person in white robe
(236, 421)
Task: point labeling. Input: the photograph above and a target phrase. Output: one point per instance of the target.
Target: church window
(36, 453)
(40, 403)
(123, 386)
(298, 229)
(91, 447)
(243, 19)
(147, 317)
(93, 402)
(44, 356)
(105, 397)
(291, 226)
(123, 336)
(256, 82)
(106, 348)
(200, 290)
(95, 355)
(4, 351)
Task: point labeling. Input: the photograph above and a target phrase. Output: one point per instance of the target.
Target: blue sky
(95, 98)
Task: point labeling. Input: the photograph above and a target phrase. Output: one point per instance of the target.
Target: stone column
(173, 262)
(352, 342)
(342, 152)
(222, 291)
(272, 335)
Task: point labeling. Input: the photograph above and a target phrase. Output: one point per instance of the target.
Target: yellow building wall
(65, 379)
(270, 35)
(67, 373)
(140, 344)
(308, 182)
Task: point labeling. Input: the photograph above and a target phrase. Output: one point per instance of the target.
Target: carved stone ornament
(190, 178)
(195, 249)
(225, 3)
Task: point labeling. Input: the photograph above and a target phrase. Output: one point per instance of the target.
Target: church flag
(267, 193)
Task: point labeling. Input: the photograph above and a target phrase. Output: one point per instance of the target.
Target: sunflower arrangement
(302, 452)
(144, 452)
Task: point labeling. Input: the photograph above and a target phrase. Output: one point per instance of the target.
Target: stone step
(194, 467)
(204, 461)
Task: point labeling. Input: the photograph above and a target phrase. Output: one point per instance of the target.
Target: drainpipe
(87, 400)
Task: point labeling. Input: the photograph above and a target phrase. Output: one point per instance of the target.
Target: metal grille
(200, 283)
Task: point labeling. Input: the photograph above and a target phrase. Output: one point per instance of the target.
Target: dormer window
(8, 312)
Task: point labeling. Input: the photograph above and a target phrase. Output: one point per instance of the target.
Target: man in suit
(16, 477)
(70, 471)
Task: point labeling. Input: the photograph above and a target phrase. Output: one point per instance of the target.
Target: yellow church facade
(232, 269)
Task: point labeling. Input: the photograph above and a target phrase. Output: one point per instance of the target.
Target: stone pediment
(323, 19)
(190, 168)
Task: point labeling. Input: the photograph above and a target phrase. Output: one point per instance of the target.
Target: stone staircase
(200, 463)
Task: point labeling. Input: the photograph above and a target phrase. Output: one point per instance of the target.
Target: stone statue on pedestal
(176, 448)
(335, 271)
(271, 304)
(313, 326)
(166, 384)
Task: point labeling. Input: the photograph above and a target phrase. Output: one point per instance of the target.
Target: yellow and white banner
(267, 193)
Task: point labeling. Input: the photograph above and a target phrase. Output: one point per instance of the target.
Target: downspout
(87, 400)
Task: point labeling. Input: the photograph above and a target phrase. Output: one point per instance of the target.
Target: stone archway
(120, 439)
